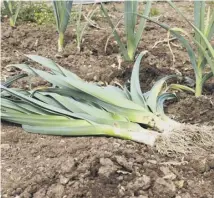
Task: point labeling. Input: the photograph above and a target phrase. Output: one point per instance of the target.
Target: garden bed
(45, 166)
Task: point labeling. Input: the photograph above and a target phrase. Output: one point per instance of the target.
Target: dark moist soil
(36, 166)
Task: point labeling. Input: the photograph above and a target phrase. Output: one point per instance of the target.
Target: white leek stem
(165, 124)
(145, 136)
(140, 135)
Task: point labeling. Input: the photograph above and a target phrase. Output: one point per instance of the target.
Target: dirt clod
(162, 186)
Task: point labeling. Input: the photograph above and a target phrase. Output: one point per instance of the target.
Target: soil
(37, 166)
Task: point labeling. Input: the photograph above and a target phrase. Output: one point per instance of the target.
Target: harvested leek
(73, 107)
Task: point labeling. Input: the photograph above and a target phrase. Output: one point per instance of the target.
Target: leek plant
(81, 27)
(62, 11)
(133, 34)
(12, 8)
(202, 58)
(73, 107)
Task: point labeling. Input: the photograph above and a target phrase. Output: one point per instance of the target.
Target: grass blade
(180, 87)
(13, 79)
(207, 76)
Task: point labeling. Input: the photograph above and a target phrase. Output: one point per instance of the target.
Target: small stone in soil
(63, 180)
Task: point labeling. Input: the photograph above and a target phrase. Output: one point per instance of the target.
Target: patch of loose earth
(46, 166)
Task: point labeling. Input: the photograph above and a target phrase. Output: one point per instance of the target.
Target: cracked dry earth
(37, 166)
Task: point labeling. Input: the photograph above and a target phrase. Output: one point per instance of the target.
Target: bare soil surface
(37, 166)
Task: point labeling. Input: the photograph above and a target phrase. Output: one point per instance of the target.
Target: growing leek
(12, 8)
(62, 11)
(203, 28)
(133, 35)
(80, 26)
